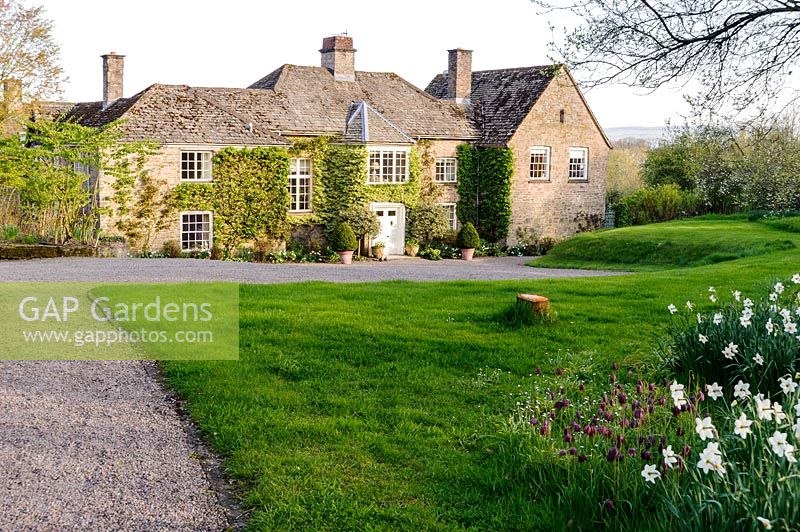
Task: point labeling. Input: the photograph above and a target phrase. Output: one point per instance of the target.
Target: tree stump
(538, 305)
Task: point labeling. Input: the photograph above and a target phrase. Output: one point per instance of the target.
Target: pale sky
(236, 42)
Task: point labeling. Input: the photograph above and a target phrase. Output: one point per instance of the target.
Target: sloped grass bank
(679, 244)
(367, 406)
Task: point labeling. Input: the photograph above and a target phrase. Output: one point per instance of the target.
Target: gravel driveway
(177, 270)
(97, 446)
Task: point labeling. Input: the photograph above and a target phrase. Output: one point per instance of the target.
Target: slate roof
(365, 125)
(501, 99)
(177, 114)
(307, 100)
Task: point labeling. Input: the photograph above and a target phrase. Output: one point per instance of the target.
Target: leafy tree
(624, 174)
(427, 222)
(29, 57)
(740, 52)
(669, 164)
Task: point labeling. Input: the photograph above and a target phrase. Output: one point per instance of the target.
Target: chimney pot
(338, 56)
(459, 75)
(113, 66)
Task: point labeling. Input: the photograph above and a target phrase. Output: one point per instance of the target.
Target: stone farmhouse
(559, 149)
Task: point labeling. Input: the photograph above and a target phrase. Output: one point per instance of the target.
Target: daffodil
(770, 326)
(765, 523)
(741, 390)
(788, 385)
(703, 339)
(689, 305)
(796, 428)
(742, 426)
(779, 288)
(672, 309)
(790, 327)
(713, 298)
(763, 407)
(670, 458)
(737, 295)
(650, 473)
(796, 278)
(711, 459)
(758, 359)
(731, 350)
(714, 390)
(717, 318)
(777, 411)
(779, 443)
(704, 428)
(748, 302)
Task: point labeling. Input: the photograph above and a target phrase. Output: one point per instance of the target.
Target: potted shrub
(379, 250)
(344, 242)
(468, 240)
(412, 247)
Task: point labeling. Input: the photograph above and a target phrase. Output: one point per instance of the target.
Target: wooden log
(539, 305)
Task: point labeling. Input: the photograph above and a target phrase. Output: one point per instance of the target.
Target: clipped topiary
(343, 238)
(468, 237)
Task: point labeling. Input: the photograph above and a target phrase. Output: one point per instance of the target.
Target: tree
(624, 174)
(29, 57)
(741, 52)
(669, 164)
(428, 222)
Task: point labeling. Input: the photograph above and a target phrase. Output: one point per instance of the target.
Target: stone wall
(549, 208)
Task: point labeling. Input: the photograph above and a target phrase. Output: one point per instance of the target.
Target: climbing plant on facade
(484, 189)
(249, 197)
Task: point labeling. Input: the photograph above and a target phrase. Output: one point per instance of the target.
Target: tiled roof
(307, 100)
(177, 114)
(501, 99)
(366, 125)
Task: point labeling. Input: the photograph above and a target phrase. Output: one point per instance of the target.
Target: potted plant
(468, 240)
(379, 250)
(344, 242)
(412, 247)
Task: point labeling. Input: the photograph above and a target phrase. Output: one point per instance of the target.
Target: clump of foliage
(468, 237)
(624, 171)
(484, 189)
(343, 238)
(427, 222)
(171, 249)
(751, 340)
(362, 221)
(659, 203)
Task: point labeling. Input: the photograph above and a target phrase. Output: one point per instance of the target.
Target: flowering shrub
(754, 341)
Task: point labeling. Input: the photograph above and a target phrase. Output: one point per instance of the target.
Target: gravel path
(97, 446)
(177, 270)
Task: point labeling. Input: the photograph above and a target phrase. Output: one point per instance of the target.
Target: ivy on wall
(484, 189)
(248, 196)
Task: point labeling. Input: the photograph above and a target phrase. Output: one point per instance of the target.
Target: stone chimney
(113, 65)
(338, 56)
(459, 75)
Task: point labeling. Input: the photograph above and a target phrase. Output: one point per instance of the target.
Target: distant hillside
(650, 134)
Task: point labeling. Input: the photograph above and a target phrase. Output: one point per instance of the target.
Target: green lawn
(365, 406)
(679, 244)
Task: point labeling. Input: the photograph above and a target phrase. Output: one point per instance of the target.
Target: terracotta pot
(466, 254)
(412, 250)
(379, 252)
(346, 257)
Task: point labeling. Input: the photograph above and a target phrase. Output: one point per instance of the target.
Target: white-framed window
(387, 165)
(300, 185)
(450, 208)
(540, 163)
(196, 230)
(195, 166)
(578, 164)
(446, 170)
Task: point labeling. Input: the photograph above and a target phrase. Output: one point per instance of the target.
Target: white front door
(392, 217)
